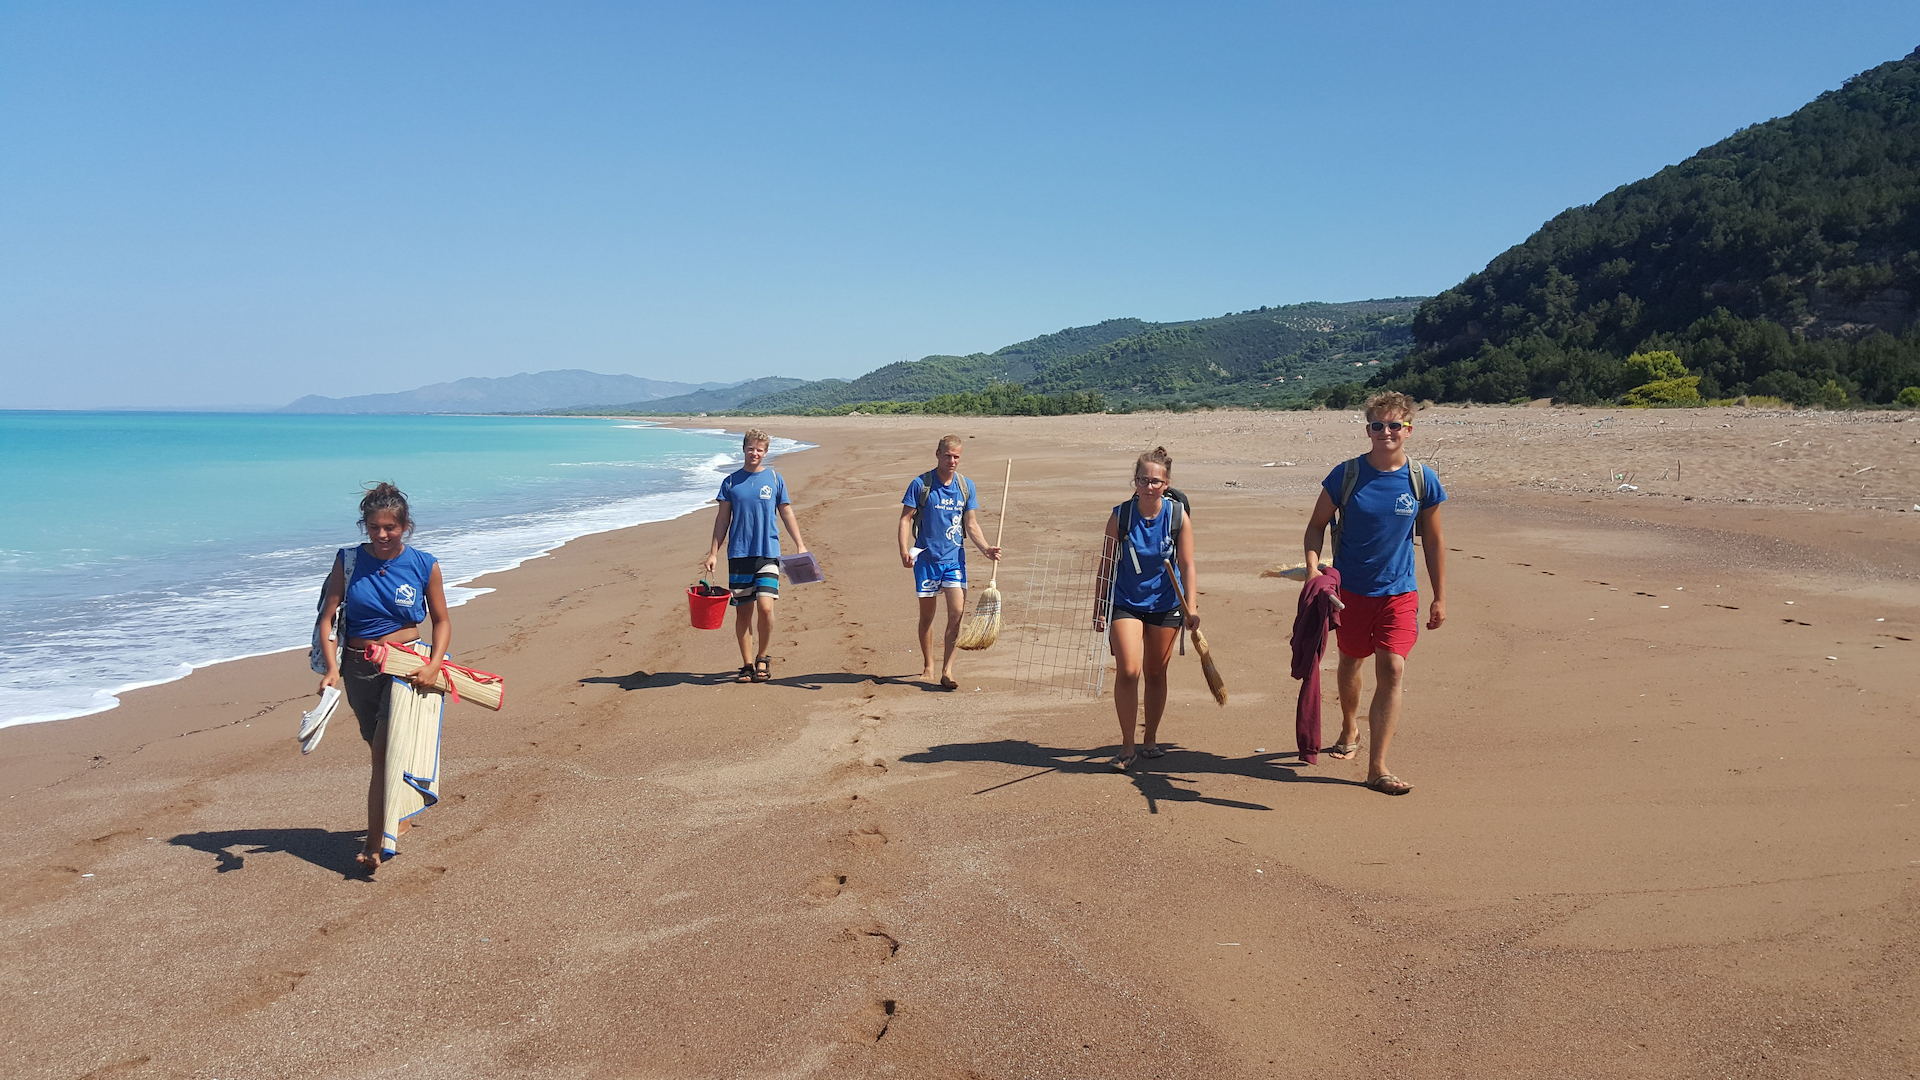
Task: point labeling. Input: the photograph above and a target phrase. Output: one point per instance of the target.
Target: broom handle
(1002, 530)
(1180, 595)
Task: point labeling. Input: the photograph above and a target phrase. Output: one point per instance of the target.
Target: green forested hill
(1784, 260)
(1268, 356)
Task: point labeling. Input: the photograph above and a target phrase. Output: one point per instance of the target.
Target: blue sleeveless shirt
(1150, 588)
(386, 596)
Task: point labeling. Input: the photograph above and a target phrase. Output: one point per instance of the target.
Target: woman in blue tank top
(1143, 533)
(392, 591)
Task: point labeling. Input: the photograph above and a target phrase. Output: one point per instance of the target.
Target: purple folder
(802, 569)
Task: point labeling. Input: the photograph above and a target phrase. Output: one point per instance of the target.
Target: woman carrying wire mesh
(1139, 602)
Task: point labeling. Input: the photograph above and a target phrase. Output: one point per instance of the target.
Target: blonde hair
(1157, 456)
(1389, 403)
(755, 435)
(946, 441)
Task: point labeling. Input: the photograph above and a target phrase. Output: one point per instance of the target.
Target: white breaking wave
(115, 644)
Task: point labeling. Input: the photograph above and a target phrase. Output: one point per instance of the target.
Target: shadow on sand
(1153, 778)
(328, 850)
(654, 680)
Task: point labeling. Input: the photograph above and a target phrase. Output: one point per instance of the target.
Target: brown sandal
(1389, 784)
(746, 673)
(763, 669)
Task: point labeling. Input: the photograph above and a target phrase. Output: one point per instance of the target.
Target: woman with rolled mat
(385, 590)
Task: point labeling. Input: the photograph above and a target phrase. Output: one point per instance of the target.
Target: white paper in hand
(313, 724)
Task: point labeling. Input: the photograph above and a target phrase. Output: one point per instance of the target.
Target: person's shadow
(655, 680)
(328, 850)
(1153, 777)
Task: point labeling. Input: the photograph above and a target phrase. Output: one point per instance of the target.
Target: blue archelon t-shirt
(943, 521)
(1376, 537)
(385, 596)
(756, 498)
(1149, 543)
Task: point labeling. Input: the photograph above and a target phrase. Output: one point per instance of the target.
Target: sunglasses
(1386, 425)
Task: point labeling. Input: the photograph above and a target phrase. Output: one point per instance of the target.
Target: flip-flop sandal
(949, 684)
(1152, 751)
(1122, 764)
(763, 669)
(746, 673)
(1389, 784)
(1343, 750)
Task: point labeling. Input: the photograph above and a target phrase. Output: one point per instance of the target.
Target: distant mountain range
(524, 392)
(1269, 356)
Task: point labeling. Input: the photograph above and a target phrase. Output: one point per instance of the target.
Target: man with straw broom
(938, 511)
(1377, 503)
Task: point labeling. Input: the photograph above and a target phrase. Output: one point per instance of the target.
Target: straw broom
(1214, 682)
(982, 627)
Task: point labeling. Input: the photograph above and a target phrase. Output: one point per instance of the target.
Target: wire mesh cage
(1058, 649)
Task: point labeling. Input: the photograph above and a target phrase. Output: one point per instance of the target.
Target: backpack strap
(1417, 476)
(1349, 480)
(927, 481)
(1173, 507)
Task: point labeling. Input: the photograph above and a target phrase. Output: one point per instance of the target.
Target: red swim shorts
(1370, 623)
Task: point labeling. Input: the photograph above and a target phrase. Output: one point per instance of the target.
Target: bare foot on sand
(368, 860)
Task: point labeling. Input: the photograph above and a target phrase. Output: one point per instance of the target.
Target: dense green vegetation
(1000, 399)
(1783, 261)
(1274, 357)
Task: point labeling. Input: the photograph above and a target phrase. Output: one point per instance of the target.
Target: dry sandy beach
(1665, 818)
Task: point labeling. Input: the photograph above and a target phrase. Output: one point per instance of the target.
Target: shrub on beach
(1665, 393)
(1910, 397)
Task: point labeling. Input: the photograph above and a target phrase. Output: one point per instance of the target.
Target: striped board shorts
(753, 576)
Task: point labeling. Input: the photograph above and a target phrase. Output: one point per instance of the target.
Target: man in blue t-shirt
(753, 504)
(1382, 511)
(936, 517)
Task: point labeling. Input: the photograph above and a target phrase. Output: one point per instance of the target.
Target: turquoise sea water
(136, 546)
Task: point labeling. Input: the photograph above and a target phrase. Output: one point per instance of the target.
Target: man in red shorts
(1377, 503)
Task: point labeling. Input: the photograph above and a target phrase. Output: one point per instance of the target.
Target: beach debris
(1833, 658)
(1259, 749)
(1293, 571)
(1277, 464)
(1789, 602)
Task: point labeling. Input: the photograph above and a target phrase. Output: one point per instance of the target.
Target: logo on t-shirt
(766, 493)
(405, 595)
(1405, 505)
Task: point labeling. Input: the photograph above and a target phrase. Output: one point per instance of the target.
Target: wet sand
(1663, 819)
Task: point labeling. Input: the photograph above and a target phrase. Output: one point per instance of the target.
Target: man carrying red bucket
(753, 504)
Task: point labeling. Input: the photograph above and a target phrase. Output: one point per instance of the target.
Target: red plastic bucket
(707, 605)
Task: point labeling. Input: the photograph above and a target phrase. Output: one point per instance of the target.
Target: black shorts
(1151, 618)
(753, 576)
(368, 690)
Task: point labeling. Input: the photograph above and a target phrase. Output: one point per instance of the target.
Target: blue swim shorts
(930, 577)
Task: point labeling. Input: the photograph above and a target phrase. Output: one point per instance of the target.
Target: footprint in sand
(871, 1023)
(874, 942)
(867, 839)
(827, 888)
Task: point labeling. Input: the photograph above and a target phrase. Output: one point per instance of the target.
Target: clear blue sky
(219, 204)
